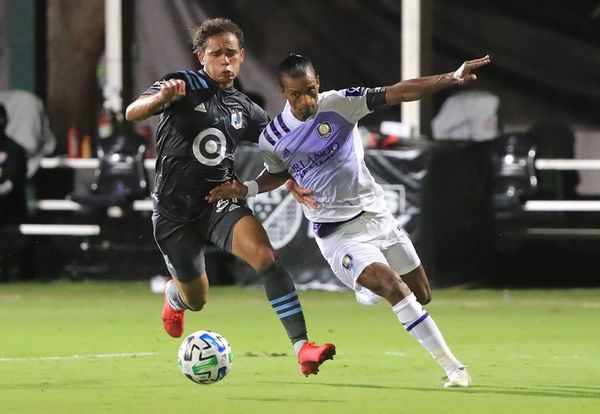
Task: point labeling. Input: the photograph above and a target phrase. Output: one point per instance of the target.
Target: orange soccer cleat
(173, 320)
(311, 356)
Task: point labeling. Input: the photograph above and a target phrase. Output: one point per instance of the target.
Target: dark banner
(457, 220)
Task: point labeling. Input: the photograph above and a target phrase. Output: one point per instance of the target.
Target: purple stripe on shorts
(418, 321)
(325, 229)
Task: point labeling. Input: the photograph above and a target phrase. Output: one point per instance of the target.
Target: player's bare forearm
(144, 107)
(235, 189)
(171, 90)
(415, 89)
(268, 181)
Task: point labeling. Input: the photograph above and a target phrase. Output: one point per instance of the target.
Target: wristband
(252, 188)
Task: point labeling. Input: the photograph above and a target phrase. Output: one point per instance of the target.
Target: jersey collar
(289, 117)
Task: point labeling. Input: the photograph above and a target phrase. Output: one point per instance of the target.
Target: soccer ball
(205, 357)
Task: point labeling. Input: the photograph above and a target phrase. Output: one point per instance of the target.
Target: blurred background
(497, 183)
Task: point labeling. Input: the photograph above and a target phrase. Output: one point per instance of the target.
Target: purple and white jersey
(325, 154)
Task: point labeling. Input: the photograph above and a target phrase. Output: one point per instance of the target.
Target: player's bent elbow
(130, 114)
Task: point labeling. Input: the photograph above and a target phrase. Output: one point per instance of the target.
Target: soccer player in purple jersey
(315, 140)
(202, 120)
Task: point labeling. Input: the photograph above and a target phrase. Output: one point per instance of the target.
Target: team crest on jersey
(324, 130)
(347, 261)
(237, 120)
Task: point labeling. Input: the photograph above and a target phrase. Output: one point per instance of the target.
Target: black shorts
(183, 244)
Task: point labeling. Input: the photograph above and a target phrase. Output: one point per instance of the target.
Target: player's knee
(262, 257)
(381, 280)
(423, 296)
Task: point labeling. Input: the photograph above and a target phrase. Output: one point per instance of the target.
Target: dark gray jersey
(196, 138)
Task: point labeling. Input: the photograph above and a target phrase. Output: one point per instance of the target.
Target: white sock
(298, 345)
(421, 325)
(174, 298)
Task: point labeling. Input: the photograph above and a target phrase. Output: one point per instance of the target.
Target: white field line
(90, 356)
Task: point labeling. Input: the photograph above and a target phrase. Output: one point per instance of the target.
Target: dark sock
(282, 296)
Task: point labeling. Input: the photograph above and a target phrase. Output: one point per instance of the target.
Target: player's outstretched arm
(415, 89)
(145, 106)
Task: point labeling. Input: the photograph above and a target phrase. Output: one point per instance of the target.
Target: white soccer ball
(205, 357)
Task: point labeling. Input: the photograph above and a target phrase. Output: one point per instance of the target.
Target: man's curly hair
(213, 27)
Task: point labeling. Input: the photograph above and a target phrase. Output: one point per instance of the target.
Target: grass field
(99, 348)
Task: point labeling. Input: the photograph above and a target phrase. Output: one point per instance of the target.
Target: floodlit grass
(99, 348)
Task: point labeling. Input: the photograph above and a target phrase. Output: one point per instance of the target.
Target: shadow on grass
(300, 400)
(567, 391)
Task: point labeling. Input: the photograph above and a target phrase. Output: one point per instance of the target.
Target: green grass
(528, 351)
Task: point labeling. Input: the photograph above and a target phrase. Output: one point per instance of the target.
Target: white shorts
(370, 238)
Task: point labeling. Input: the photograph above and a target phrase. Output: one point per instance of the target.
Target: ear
(318, 83)
(200, 56)
(242, 54)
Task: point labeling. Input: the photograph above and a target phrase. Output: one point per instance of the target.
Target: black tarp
(546, 54)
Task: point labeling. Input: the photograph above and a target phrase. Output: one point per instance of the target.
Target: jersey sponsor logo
(200, 108)
(237, 119)
(209, 147)
(347, 261)
(316, 159)
(356, 91)
(324, 129)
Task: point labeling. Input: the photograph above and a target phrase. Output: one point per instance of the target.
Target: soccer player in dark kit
(203, 118)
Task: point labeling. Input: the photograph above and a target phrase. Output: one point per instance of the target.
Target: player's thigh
(235, 230)
(349, 257)
(251, 243)
(401, 254)
(404, 260)
(182, 248)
